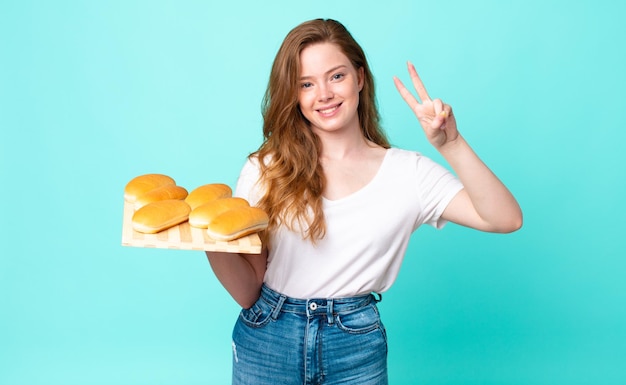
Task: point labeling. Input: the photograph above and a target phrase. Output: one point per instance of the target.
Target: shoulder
(251, 165)
(401, 154)
(402, 159)
(248, 181)
(417, 170)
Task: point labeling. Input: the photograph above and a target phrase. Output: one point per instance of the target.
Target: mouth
(328, 111)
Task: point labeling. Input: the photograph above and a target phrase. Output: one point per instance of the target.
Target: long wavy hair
(291, 174)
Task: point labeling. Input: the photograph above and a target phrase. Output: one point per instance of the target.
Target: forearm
(493, 202)
(240, 274)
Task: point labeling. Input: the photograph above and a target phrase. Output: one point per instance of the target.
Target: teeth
(328, 111)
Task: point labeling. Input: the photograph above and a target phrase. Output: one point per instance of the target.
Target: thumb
(439, 120)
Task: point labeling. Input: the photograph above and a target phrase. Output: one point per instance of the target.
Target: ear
(361, 78)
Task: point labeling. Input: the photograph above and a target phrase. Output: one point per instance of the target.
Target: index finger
(417, 83)
(406, 94)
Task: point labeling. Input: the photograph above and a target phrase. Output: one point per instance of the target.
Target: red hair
(291, 174)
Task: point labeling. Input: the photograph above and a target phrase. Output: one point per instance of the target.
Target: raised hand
(435, 116)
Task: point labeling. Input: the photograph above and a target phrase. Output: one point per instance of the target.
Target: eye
(338, 76)
(306, 85)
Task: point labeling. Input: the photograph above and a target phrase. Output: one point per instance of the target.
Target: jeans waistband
(310, 307)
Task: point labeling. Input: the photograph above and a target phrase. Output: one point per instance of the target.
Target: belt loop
(330, 311)
(279, 305)
(380, 297)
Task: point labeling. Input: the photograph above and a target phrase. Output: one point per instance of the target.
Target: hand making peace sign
(435, 116)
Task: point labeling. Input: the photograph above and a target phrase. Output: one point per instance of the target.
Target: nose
(325, 93)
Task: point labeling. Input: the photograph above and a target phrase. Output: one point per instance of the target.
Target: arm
(240, 274)
(484, 203)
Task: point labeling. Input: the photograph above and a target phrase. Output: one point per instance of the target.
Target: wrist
(452, 146)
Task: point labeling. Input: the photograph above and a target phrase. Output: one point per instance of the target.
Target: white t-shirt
(367, 232)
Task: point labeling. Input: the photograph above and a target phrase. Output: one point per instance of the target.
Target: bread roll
(237, 222)
(144, 183)
(201, 216)
(160, 194)
(160, 215)
(207, 193)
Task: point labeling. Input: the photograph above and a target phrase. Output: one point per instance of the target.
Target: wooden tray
(184, 237)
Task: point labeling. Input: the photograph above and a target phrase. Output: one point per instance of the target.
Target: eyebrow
(327, 72)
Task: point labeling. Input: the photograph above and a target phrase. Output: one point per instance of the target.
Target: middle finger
(417, 83)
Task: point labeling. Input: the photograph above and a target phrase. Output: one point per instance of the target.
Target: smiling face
(329, 88)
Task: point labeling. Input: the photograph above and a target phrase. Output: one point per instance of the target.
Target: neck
(342, 144)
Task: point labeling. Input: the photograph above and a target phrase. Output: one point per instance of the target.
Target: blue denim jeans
(282, 340)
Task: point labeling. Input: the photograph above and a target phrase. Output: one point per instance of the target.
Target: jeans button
(312, 306)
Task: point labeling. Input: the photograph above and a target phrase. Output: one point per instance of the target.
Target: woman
(342, 204)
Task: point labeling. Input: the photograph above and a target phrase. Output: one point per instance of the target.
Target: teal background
(95, 93)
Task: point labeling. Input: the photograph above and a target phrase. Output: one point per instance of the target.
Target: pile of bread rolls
(159, 204)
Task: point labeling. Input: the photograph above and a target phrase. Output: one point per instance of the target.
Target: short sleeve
(248, 182)
(437, 186)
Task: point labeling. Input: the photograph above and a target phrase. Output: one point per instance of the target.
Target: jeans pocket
(363, 320)
(258, 315)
